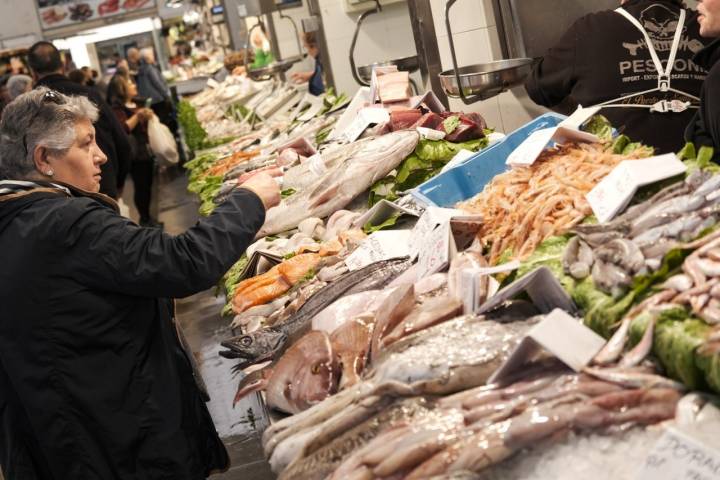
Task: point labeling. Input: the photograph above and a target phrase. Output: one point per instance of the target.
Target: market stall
(433, 299)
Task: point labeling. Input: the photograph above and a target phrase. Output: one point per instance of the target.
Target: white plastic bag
(124, 211)
(162, 142)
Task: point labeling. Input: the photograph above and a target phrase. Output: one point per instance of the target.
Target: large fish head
(255, 347)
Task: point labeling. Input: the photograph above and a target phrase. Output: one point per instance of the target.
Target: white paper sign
(360, 100)
(212, 83)
(430, 100)
(430, 219)
(380, 212)
(461, 157)
(436, 251)
(615, 191)
(382, 245)
(678, 456)
(579, 116)
(366, 117)
(560, 334)
(528, 151)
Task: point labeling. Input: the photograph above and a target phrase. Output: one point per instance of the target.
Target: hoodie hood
(17, 195)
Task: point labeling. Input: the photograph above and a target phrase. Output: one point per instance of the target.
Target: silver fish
(303, 176)
(663, 211)
(614, 347)
(709, 186)
(340, 185)
(268, 343)
(642, 349)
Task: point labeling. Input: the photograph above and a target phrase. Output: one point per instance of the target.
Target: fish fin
(253, 382)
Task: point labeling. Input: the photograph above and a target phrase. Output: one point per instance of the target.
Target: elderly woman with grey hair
(95, 378)
(19, 84)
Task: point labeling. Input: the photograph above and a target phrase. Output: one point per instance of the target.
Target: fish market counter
(426, 303)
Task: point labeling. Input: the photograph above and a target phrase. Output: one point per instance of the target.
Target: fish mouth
(234, 350)
(254, 353)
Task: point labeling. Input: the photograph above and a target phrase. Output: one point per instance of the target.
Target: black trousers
(142, 177)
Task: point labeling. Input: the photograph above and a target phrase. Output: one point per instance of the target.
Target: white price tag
(678, 456)
(579, 116)
(505, 267)
(360, 100)
(212, 83)
(461, 157)
(612, 194)
(366, 117)
(380, 212)
(528, 151)
(560, 334)
(382, 245)
(436, 250)
(615, 191)
(430, 100)
(430, 219)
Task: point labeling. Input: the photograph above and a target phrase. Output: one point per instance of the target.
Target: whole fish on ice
(338, 186)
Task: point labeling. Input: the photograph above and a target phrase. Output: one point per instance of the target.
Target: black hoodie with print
(603, 57)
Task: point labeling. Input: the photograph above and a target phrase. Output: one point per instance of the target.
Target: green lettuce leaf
(451, 123)
(599, 126)
(369, 228)
(429, 157)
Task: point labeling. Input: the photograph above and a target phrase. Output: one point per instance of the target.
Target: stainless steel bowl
(407, 64)
(488, 79)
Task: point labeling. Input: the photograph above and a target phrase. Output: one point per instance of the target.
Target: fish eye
(246, 341)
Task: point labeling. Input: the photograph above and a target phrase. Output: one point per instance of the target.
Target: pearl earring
(50, 173)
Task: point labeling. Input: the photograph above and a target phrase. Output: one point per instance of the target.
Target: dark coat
(94, 382)
(110, 135)
(704, 129)
(151, 84)
(603, 57)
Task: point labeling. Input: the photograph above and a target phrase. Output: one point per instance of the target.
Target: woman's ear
(41, 160)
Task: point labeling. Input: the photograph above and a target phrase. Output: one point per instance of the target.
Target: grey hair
(18, 84)
(40, 123)
(147, 54)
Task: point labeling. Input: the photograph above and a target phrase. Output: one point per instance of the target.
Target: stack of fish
(344, 173)
(399, 423)
(524, 206)
(636, 242)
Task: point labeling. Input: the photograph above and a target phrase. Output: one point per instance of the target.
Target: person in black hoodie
(604, 59)
(704, 129)
(96, 380)
(47, 68)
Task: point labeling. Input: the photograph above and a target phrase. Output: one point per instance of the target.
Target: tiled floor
(204, 328)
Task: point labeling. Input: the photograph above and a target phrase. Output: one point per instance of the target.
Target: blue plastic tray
(469, 178)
